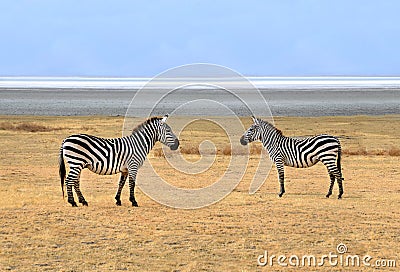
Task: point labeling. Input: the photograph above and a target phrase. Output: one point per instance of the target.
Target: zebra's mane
(270, 126)
(145, 123)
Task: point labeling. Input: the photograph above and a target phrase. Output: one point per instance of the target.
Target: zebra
(111, 156)
(297, 152)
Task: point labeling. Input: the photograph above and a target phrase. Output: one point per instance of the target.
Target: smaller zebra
(111, 156)
(297, 152)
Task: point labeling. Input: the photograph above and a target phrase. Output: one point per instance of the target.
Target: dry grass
(39, 231)
(362, 151)
(225, 151)
(27, 126)
(189, 149)
(158, 152)
(394, 151)
(257, 149)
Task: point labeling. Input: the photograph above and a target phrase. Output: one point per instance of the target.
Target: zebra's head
(165, 134)
(252, 133)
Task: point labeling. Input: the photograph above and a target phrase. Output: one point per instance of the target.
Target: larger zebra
(297, 152)
(111, 156)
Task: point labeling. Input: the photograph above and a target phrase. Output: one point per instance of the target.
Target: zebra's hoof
(339, 197)
(280, 195)
(118, 203)
(74, 204)
(134, 204)
(84, 203)
(328, 195)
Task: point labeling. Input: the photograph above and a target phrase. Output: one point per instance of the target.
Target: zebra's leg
(132, 179)
(70, 181)
(81, 199)
(331, 186)
(281, 174)
(334, 172)
(340, 188)
(120, 186)
(339, 181)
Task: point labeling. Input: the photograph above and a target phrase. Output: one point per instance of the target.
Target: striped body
(111, 156)
(297, 152)
(303, 153)
(104, 156)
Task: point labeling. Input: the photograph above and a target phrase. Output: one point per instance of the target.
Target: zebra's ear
(164, 119)
(255, 120)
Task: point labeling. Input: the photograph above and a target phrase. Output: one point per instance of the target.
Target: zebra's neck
(147, 136)
(270, 136)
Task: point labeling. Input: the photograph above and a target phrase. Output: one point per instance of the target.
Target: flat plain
(39, 231)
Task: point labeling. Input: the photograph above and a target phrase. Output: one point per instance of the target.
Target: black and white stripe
(297, 152)
(110, 156)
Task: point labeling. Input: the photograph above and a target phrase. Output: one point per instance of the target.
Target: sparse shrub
(158, 152)
(256, 149)
(29, 127)
(227, 151)
(190, 150)
(362, 151)
(6, 126)
(394, 151)
(358, 151)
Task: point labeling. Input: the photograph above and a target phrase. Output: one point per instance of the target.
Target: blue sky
(144, 38)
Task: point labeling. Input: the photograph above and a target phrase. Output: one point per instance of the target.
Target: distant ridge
(258, 82)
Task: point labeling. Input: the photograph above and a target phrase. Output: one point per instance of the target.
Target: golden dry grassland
(39, 231)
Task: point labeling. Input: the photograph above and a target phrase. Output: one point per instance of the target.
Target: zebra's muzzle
(175, 145)
(243, 141)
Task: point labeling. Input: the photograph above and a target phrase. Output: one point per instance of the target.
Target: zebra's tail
(339, 165)
(61, 169)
